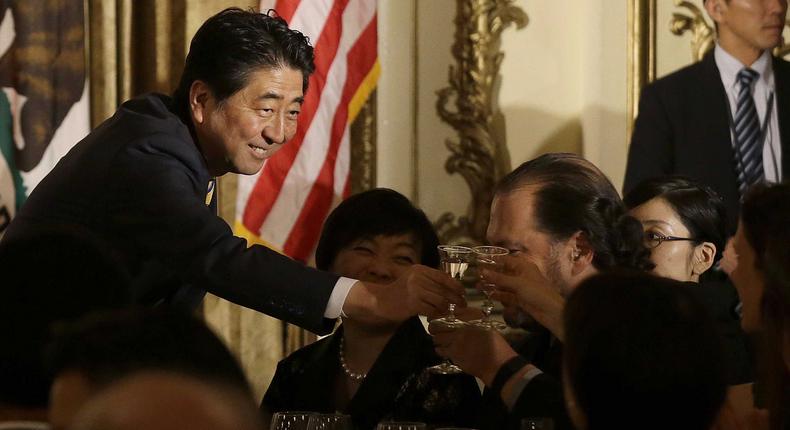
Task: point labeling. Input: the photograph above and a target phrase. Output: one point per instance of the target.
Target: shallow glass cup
(487, 256)
(454, 260)
(291, 420)
(395, 425)
(329, 422)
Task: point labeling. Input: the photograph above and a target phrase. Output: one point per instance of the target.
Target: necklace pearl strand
(358, 377)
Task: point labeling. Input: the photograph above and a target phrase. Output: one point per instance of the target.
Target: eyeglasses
(653, 239)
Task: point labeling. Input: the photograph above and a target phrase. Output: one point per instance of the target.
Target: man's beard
(518, 318)
(554, 271)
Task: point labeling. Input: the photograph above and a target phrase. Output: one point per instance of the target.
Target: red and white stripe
(284, 206)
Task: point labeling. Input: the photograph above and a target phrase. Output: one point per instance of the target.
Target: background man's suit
(683, 128)
(139, 183)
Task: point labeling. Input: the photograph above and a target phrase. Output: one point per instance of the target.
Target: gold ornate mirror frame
(476, 155)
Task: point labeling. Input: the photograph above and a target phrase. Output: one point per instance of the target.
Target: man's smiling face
(241, 132)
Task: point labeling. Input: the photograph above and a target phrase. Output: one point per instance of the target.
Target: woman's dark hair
(573, 195)
(641, 352)
(765, 215)
(699, 207)
(234, 43)
(372, 213)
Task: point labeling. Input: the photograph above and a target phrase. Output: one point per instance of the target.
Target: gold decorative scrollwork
(477, 156)
(784, 49)
(703, 37)
(363, 147)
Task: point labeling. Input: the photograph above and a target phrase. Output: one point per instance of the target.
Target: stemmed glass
(395, 425)
(487, 256)
(329, 422)
(291, 420)
(541, 423)
(455, 261)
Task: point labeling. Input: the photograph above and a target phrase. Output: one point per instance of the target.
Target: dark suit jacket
(398, 386)
(683, 128)
(139, 182)
(718, 295)
(542, 397)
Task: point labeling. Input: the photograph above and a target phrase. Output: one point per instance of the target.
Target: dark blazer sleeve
(156, 203)
(651, 151)
(541, 397)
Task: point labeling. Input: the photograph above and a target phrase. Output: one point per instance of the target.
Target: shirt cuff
(520, 385)
(334, 308)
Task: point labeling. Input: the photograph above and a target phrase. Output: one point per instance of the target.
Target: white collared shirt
(762, 88)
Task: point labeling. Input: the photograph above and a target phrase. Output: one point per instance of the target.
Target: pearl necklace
(358, 377)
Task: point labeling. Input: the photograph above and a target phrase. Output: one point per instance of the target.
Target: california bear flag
(44, 107)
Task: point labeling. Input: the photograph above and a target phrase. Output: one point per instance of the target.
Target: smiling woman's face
(380, 259)
(673, 259)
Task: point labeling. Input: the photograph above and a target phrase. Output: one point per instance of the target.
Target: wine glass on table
(487, 256)
(291, 420)
(329, 422)
(398, 425)
(454, 261)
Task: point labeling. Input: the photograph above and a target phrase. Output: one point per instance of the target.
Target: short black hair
(107, 347)
(58, 274)
(640, 351)
(574, 195)
(380, 211)
(234, 43)
(699, 207)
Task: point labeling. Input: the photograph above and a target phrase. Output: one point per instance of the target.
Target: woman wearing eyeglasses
(684, 224)
(685, 229)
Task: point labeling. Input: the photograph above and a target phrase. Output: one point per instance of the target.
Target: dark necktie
(748, 136)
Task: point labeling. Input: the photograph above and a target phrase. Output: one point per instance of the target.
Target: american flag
(285, 204)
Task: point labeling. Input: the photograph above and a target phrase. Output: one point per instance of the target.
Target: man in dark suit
(563, 222)
(723, 121)
(143, 182)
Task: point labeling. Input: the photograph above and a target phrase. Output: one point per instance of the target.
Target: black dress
(397, 388)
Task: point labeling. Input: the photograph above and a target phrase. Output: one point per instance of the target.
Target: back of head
(232, 44)
(699, 207)
(56, 275)
(372, 213)
(573, 196)
(104, 348)
(641, 352)
(166, 400)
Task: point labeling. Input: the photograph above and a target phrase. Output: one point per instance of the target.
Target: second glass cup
(488, 256)
(454, 260)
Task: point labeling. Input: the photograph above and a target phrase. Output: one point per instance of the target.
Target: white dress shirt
(763, 87)
(334, 308)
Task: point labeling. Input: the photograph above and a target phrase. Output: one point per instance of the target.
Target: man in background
(724, 120)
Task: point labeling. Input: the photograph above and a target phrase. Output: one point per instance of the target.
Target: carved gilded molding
(641, 52)
(476, 155)
(703, 36)
(362, 134)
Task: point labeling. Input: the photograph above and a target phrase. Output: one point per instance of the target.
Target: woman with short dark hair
(685, 229)
(374, 372)
(684, 224)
